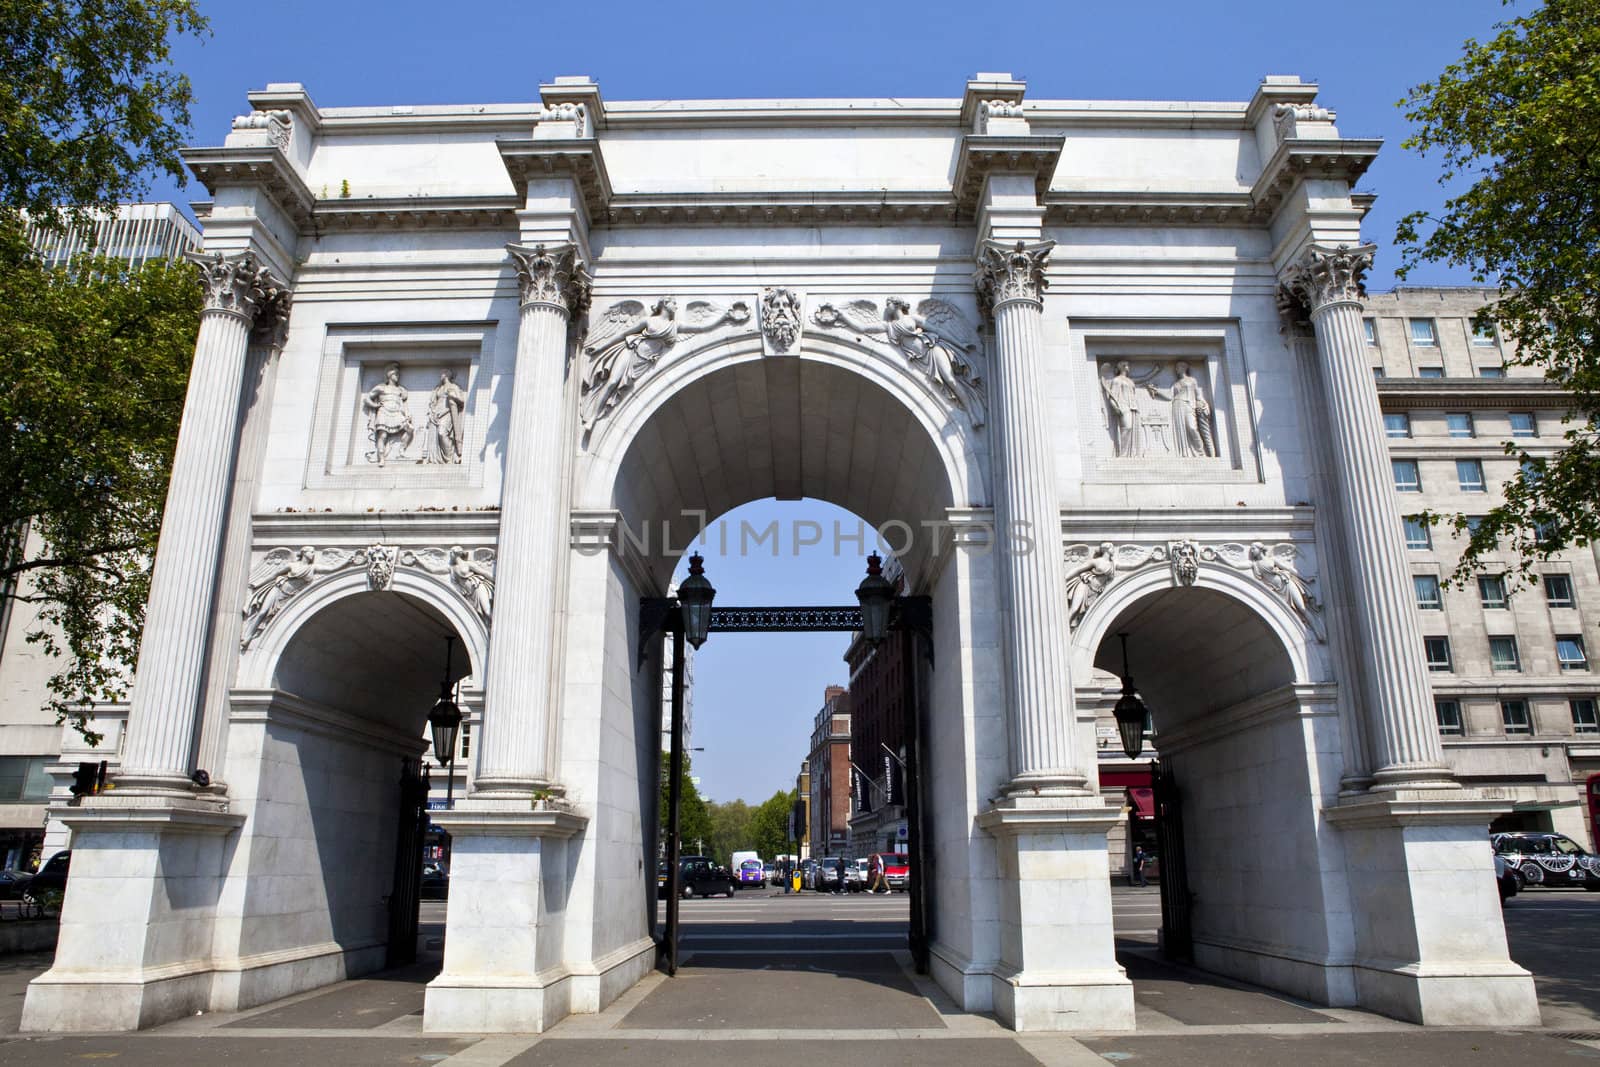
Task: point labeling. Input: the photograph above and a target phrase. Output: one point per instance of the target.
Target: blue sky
(756, 696)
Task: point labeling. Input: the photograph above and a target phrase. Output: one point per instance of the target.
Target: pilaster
(1327, 281)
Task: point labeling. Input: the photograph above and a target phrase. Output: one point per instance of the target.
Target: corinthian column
(515, 754)
(241, 296)
(1399, 699)
(1044, 756)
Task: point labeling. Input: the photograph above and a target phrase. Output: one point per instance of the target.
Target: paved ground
(830, 975)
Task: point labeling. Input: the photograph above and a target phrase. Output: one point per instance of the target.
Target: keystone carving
(934, 340)
(781, 319)
(551, 275)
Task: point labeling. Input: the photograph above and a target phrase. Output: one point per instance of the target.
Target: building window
(466, 740)
(1483, 336)
(1546, 533)
(1473, 522)
(1417, 533)
(1570, 653)
(1491, 372)
(1437, 650)
(1430, 372)
(1460, 424)
(1370, 328)
(1423, 335)
(1406, 479)
(1583, 719)
(1514, 715)
(1427, 587)
(1492, 591)
(1397, 424)
(1377, 372)
(1448, 714)
(1523, 424)
(1558, 590)
(1469, 475)
(23, 778)
(1503, 654)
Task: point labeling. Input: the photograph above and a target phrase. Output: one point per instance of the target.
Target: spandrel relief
(1158, 408)
(411, 413)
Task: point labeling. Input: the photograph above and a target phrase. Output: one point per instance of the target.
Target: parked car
(700, 876)
(751, 874)
(769, 873)
(855, 874)
(1507, 878)
(435, 883)
(52, 878)
(808, 868)
(826, 874)
(888, 869)
(1548, 859)
(13, 882)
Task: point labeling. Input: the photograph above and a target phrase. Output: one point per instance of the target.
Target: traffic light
(89, 779)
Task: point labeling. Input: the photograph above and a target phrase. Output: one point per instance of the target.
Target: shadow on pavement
(1199, 998)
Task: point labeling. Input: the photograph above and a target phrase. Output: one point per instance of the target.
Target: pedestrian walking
(1140, 858)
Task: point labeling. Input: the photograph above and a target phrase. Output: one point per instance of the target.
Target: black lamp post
(876, 595)
(694, 597)
(444, 721)
(1130, 711)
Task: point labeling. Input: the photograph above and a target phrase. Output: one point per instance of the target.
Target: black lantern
(694, 596)
(1130, 710)
(877, 596)
(444, 721)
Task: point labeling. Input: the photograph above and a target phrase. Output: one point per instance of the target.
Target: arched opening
(325, 762)
(782, 435)
(1250, 744)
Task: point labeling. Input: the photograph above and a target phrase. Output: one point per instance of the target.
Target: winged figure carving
(627, 341)
(934, 339)
(472, 573)
(1274, 568)
(1091, 570)
(284, 574)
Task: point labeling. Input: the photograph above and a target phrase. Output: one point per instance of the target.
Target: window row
(1459, 424)
(1438, 372)
(1469, 476)
(1419, 535)
(1504, 656)
(1492, 594)
(1425, 333)
(1515, 717)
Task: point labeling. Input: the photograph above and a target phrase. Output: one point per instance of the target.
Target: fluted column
(515, 754)
(1043, 726)
(241, 296)
(1399, 699)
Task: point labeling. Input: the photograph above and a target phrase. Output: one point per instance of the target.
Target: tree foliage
(94, 360)
(1518, 117)
(769, 825)
(694, 819)
(89, 102)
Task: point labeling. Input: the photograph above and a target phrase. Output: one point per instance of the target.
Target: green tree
(769, 824)
(694, 820)
(730, 828)
(89, 102)
(1518, 117)
(94, 360)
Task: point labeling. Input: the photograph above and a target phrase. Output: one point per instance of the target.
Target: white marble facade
(1094, 366)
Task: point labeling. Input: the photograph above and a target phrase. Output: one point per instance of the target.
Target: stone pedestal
(1058, 952)
(1430, 936)
(504, 968)
(137, 926)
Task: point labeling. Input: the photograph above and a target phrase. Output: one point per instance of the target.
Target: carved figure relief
(388, 416)
(1092, 569)
(625, 345)
(284, 574)
(446, 425)
(934, 340)
(277, 124)
(1151, 419)
(781, 319)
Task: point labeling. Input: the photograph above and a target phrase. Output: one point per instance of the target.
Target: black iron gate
(913, 618)
(405, 900)
(1177, 938)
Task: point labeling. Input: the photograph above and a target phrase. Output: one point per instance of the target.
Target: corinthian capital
(1011, 272)
(236, 284)
(551, 274)
(1327, 276)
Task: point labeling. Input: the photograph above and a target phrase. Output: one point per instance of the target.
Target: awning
(1143, 803)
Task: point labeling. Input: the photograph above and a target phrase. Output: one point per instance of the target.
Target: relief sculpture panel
(1158, 409)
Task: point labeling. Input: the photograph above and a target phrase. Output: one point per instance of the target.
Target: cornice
(416, 213)
(266, 168)
(527, 159)
(761, 209)
(1153, 208)
(400, 527)
(986, 154)
(1299, 159)
(1400, 393)
(1168, 524)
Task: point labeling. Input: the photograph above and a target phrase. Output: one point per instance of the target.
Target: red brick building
(830, 774)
